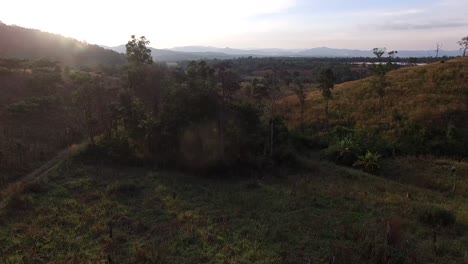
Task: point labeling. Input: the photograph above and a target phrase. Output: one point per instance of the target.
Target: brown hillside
(433, 96)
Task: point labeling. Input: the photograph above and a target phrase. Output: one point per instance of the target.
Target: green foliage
(137, 51)
(327, 81)
(370, 162)
(33, 104)
(324, 215)
(117, 148)
(344, 151)
(138, 56)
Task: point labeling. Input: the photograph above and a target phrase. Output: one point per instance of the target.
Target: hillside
(82, 213)
(33, 44)
(168, 171)
(429, 100)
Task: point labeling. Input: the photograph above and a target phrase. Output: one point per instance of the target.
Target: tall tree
(438, 48)
(380, 70)
(137, 51)
(301, 96)
(138, 55)
(463, 45)
(270, 89)
(88, 101)
(229, 83)
(326, 83)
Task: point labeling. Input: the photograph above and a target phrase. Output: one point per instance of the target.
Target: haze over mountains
(19, 42)
(312, 52)
(207, 52)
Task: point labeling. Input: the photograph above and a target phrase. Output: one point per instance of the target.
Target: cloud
(405, 12)
(421, 26)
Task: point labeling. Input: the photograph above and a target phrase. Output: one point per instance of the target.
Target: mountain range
(207, 52)
(25, 43)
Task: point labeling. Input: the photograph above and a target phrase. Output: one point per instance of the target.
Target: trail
(37, 174)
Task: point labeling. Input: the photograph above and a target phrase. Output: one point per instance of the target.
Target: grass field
(432, 96)
(84, 213)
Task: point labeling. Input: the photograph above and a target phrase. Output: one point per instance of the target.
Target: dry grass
(430, 95)
(83, 214)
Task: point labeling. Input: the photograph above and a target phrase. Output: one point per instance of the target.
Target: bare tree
(301, 96)
(438, 48)
(270, 89)
(463, 45)
(229, 83)
(327, 81)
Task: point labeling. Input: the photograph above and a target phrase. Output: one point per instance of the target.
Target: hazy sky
(360, 24)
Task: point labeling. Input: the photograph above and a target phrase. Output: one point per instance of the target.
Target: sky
(248, 24)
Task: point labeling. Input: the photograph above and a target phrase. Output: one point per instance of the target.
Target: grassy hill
(424, 101)
(81, 213)
(84, 208)
(33, 44)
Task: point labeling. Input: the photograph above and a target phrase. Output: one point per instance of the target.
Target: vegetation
(92, 213)
(425, 113)
(369, 162)
(326, 84)
(463, 45)
(219, 161)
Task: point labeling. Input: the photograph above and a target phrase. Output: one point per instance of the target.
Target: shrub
(368, 162)
(437, 217)
(305, 142)
(344, 151)
(117, 148)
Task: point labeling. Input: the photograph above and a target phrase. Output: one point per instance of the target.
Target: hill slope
(32, 44)
(431, 100)
(84, 213)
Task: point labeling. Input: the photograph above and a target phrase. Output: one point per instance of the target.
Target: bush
(343, 152)
(117, 148)
(437, 217)
(303, 142)
(368, 162)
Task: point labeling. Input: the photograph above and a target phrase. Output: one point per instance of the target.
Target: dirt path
(37, 174)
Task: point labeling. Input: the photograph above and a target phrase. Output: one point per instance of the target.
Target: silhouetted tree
(229, 83)
(301, 96)
(138, 55)
(137, 51)
(463, 45)
(326, 83)
(438, 48)
(270, 89)
(88, 101)
(380, 71)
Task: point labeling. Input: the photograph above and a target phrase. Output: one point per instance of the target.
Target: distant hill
(174, 56)
(208, 53)
(313, 52)
(33, 44)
